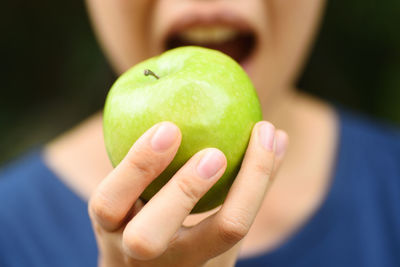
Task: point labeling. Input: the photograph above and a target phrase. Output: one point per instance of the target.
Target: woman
(332, 202)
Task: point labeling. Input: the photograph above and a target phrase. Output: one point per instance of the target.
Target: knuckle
(262, 168)
(140, 248)
(190, 191)
(100, 210)
(232, 230)
(143, 164)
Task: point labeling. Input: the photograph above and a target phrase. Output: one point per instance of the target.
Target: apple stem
(148, 72)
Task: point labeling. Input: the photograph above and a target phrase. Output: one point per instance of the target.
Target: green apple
(204, 92)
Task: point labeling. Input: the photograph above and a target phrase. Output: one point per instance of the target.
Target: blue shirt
(43, 223)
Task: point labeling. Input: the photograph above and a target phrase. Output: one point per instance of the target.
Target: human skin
(130, 31)
(130, 234)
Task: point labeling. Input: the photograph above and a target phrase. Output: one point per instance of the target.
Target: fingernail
(210, 164)
(164, 137)
(267, 135)
(281, 143)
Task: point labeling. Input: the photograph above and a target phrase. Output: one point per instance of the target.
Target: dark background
(53, 74)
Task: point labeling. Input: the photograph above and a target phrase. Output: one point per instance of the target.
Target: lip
(219, 18)
(222, 18)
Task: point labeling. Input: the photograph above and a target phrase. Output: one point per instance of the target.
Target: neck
(287, 107)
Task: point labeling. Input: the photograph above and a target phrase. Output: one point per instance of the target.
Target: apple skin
(204, 92)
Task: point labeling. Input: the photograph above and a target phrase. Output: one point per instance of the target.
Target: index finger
(148, 157)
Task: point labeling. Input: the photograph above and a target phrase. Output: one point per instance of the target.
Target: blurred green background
(54, 75)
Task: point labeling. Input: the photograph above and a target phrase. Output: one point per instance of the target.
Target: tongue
(238, 48)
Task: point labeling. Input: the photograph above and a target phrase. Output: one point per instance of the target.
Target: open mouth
(237, 42)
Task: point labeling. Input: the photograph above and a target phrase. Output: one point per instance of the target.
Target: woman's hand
(129, 233)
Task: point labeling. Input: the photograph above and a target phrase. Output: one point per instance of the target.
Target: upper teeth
(213, 34)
